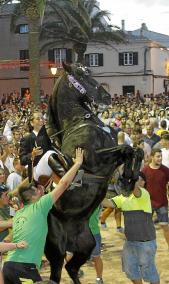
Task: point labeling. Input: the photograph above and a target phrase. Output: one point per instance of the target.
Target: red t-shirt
(156, 181)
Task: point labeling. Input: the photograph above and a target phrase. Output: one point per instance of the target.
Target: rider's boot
(58, 163)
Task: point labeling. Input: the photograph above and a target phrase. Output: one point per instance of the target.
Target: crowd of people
(139, 121)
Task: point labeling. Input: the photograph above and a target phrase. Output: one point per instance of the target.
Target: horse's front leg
(55, 247)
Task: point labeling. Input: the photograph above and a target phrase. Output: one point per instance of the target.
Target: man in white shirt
(15, 178)
(10, 157)
(165, 150)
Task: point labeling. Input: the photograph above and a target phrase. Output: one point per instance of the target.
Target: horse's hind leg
(74, 265)
(85, 243)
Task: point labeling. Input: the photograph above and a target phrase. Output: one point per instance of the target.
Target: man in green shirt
(4, 213)
(96, 253)
(30, 225)
(138, 257)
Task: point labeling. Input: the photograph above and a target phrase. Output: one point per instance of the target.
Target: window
(94, 59)
(24, 58)
(57, 55)
(128, 58)
(23, 29)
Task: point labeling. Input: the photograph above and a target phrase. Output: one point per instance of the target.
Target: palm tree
(65, 21)
(77, 21)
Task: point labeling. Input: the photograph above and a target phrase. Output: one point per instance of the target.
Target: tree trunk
(80, 49)
(34, 60)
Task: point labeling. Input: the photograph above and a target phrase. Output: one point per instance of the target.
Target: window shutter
(17, 29)
(121, 58)
(26, 54)
(135, 58)
(69, 55)
(87, 63)
(100, 59)
(51, 56)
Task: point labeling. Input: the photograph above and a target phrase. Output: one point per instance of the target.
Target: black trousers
(14, 271)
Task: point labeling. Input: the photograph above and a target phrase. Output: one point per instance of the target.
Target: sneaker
(103, 225)
(120, 230)
(99, 281)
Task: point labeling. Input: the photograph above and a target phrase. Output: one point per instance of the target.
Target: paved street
(112, 263)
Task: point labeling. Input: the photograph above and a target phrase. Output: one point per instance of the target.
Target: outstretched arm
(5, 224)
(108, 203)
(12, 246)
(68, 177)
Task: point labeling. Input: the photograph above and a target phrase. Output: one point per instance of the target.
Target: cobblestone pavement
(111, 254)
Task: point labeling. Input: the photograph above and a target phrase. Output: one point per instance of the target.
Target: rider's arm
(68, 177)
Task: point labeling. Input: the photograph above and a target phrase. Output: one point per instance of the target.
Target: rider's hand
(37, 151)
(79, 156)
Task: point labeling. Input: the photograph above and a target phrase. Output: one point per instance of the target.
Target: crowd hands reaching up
(139, 121)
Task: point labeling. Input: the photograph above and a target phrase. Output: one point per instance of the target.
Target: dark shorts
(162, 215)
(14, 272)
(138, 261)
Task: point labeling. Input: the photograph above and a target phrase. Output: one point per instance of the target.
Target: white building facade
(127, 67)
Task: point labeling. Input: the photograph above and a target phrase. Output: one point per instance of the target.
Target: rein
(91, 178)
(83, 125)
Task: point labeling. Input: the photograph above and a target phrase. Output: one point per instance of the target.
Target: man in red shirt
(157, 178)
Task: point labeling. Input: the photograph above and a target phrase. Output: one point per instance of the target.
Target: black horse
(71, 115)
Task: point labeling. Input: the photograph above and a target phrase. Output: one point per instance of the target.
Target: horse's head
(80, 77)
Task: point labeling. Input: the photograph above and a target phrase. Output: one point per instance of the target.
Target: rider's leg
(51, 161)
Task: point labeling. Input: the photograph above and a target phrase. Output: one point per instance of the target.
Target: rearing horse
(71, 113)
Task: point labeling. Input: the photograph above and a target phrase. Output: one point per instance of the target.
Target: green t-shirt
(132, 203)
(94, 222)
(30, 225)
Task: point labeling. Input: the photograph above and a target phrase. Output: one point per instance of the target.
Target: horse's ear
(66, 67)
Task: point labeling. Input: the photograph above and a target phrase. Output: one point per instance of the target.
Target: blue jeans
(97, 249)
(138, 260)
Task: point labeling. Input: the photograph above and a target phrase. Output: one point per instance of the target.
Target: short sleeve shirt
(30, 225)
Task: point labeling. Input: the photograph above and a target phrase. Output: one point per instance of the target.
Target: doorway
(128, 90)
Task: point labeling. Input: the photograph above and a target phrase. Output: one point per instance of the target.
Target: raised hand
(79, 156)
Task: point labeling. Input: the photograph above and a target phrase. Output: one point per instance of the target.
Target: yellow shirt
(132, 203)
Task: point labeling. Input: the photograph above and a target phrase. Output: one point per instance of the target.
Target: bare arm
(108, 203)
(5, 224)
(68, 177)
(4, 155)
(12, 246)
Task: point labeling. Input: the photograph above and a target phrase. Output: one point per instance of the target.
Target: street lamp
(53, 71)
